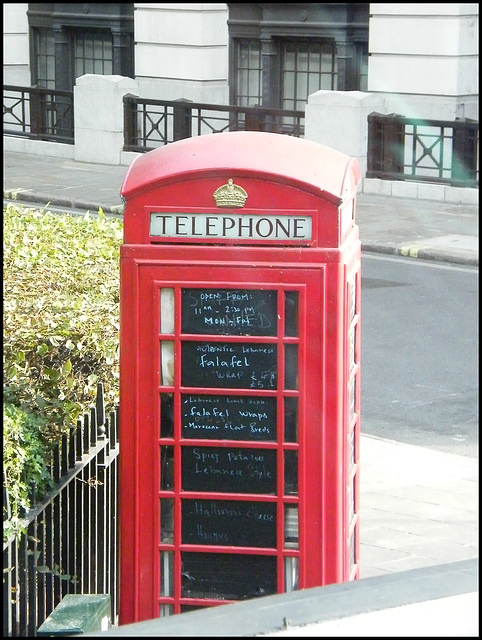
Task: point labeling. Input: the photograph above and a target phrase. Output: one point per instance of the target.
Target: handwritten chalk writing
(229, 312)
(230, 365)
(228, 417)
(228, 470)
(228, 522)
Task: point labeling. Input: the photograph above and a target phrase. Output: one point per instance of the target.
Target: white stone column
(99, 117)
(339, 119)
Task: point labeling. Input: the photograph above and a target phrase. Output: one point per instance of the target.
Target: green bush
(26, 456)
(61, 314)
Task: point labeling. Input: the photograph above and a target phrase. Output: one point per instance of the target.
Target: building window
(72, 39)
(43, 68)
(248, 73)
(307, 67)
(92, 52)
(277, 59)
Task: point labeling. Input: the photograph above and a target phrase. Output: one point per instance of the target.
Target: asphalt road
(419, 353)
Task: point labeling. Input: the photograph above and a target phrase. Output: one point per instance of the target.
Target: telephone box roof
(304, 164)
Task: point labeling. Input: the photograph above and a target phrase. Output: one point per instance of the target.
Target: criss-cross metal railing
(38, 114)
(440, 151)
(153, 123)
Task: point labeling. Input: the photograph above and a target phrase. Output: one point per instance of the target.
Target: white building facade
(423, 57)
(336, 62)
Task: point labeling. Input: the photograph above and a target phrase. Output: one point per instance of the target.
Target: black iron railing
(149, 124)
(439, 151)
(68, 542)
(38, 114)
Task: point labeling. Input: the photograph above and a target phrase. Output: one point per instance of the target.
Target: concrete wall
(181, 51)
(424, 58)
(338, 119)
(99, 117)
(16, 68)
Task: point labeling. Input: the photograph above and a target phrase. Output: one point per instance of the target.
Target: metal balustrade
(68, 543)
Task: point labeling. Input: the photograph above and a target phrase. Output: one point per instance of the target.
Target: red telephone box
(239, 372)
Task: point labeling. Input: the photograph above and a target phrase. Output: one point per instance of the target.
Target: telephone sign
(239, 372)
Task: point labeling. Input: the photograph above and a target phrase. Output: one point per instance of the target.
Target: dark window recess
(92, 52)
(229, 523)
(72, 39)
(167, 520)
(291, 366)
(167, 415)
(326, 49)
(167, 468)
(227, 576)
(218, 417)
(291, 472)
(291, 419)
(228, 470)
(291, 313)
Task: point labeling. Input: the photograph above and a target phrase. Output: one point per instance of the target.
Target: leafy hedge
(61, 315)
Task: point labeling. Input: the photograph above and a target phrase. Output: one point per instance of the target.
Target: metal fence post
(182, 119)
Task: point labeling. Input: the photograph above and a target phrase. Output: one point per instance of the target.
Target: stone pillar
(339, 119)
(99, 117)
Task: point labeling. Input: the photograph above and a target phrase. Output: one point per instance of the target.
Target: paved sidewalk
(419, 507)
(417, 228)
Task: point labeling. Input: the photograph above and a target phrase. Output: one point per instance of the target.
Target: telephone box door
(234, 500)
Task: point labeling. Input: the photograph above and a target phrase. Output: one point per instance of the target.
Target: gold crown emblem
(230, 195)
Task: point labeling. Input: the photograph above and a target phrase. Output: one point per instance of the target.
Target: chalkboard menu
(229, 312)
(229, 365)
(229, 523)
(227, 576)
(228, 470)
(228, 417)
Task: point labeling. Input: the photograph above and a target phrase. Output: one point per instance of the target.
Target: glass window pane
(98, 48)
(291, 574)
(313, 83)
(167, 415)
(327, 61)
(243, 56)
(243, 83)
(302, 86)
(302, 61)
(167, 574)
(89, 46)
(291, 366)
(167, 468)
(291, 526)
(291, 472)
(291, 313)
(291, 419)
(167, 520)
(253, 84)
(227, 576)
(315, 59)
(290, 58)
(289, 85)
(254, 55)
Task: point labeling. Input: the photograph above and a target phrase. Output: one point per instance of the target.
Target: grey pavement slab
(418, 506)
